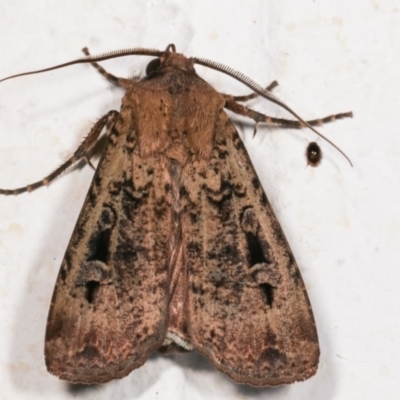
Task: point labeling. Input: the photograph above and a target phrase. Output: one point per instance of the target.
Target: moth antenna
(106, 56)
(262, 92)
(201, 61)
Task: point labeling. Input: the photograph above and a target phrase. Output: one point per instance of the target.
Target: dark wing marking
(248, 309)
(109, 307)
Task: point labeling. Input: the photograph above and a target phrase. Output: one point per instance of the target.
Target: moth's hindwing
(248, 309)
(109, 307)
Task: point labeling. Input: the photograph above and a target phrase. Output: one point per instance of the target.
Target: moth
(176, 246)
(313, 154)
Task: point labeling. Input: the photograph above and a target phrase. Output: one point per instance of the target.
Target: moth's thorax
(174, 113)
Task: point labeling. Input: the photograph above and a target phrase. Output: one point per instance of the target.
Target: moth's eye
(152, 66)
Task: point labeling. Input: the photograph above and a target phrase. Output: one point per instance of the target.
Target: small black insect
(313, 154)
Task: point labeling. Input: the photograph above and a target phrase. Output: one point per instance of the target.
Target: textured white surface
(343, 223)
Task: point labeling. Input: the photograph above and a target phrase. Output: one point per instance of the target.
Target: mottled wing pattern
(248, 309)
(108, 311)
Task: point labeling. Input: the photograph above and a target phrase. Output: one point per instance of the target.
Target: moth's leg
(270, 87)
(105, 121)
(122, 82)
(287, 123)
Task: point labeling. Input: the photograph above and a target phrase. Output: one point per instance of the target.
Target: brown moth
(313, 154)
(177, 246)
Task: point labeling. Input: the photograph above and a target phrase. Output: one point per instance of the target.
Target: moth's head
(170, 60)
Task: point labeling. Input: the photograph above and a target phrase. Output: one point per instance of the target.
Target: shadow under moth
(176, 246)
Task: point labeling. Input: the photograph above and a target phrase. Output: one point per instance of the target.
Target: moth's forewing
(248, 308)
(109, 307)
